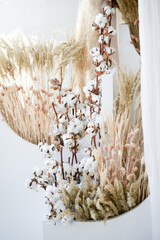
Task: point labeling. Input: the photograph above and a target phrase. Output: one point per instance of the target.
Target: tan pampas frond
(83, 68)
(27, 66)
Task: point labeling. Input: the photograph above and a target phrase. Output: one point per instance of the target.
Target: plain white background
(22, 210)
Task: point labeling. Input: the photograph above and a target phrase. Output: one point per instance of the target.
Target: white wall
(127, 54)
(44, 16)
(21, 210)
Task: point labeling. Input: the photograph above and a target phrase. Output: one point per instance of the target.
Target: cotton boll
(53, 193)
(75, 126)
(49, 192)
(53, 170)
(98, 59)
(101, 68)
(82, 164)
(58, 129)
(63, 119)
(110, 50)
(95, 51)
(37, 172)
(59, 206)
(31, 184)
(112, 31)
(67, 168)
(51, 163)
(95, 97)
(40, 146)
(28, 183)
(67, 138)
(103, 38)
(108, 10)
(101, 20)
(70, 99)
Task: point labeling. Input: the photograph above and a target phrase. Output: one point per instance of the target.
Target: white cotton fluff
(31, 184)
(98, 59)
(75, 126)
(95, 51)
(28, 183)
(101, 68)
(82, 164)
(51, 163)
(53, 170)
(103, 38)
(108, 10)
(70, 98)
(110, 50)
(67, 138)
(37, 171)
(59, 206)
(95, 97)
(63, 119)
(67, 168)
(58, 129)
(101, 20)
(112, 31)
(40, 146)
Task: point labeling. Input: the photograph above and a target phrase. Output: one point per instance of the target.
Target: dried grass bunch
(120, 181)
(27, 66)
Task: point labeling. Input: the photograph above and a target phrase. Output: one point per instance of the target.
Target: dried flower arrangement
(27, 66)
(109, 176)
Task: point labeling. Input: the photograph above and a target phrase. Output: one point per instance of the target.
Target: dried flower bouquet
(109, 177)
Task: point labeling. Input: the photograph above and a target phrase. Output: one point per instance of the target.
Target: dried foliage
(129, 11)
(27, 66)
